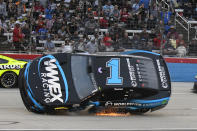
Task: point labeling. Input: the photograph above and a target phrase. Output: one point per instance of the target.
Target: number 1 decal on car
(114, 65)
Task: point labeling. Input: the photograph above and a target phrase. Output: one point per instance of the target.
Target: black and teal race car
(136, 82)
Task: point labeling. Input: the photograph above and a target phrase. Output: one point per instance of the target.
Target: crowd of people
(189, 8)
(77, 22)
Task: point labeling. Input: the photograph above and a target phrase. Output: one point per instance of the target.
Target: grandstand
(165, 26)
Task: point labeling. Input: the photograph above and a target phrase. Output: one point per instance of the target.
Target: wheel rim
(8, 80)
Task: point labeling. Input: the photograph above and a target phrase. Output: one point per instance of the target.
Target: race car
(9, 71)
(131, 82)
(195, 84)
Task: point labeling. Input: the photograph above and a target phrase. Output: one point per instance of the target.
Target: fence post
(188, 31)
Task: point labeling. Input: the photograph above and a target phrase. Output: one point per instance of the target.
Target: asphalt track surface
(179, 114)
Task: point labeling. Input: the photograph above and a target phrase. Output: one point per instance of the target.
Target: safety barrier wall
(181, 69)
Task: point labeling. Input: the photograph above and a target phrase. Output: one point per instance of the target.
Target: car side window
(3, 61)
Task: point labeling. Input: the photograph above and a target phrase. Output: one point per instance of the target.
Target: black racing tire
(195, 87)
(26, 100)
(9, 79)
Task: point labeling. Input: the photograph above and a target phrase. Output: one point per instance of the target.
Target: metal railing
(185, 24)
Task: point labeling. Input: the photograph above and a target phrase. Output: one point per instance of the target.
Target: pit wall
(181, 69)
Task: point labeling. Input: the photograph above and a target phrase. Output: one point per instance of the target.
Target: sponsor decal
(5, 67)
(138, 72)
(127, 104)
(140, 103)
(132, 74)
(162, 75)
(51, 83)
(100, 70)
(108, 103)
(50, 78)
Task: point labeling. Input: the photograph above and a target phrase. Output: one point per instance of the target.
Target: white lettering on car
(131, 73)
(162, 75)
(51, 82)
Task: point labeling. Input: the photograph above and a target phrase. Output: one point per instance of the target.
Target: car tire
(195, 87)
(9, 80)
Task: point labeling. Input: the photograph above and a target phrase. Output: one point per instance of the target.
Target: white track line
(145, 129)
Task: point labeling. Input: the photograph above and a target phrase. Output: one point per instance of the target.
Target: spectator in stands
(181, 49)
(142, 14)
(108, 42)
(49, 46)
(37, 9)
(75, 37)
(104, 23)
(1, 32)
(172, 31)
(21, 8)
(145, 3)
(81, 45)
(108, 8)
(180, 40)
(62, 32)
(39, 23)
(124, 15)
(90, 26)
(56, 25)
(115, 29)
(168, 49)
(144, 35)
(167, 27)
(48, 13)
(3, 11)
(188, 10)
(49, 23)
(172, 41)
(12, 9)
(152, 34)
(157, 42)
(67, 14)
(166, 16)
(91, 46)
(131, 23)
(115, 14)
(18, 37)
(149, 46)
(136, 41)
(193, 47)
(43, 33)
(135, 6)
(151, 22)
(56, 37)
(26, 31)
(126, 41)
(154, 10)
(117, 42)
